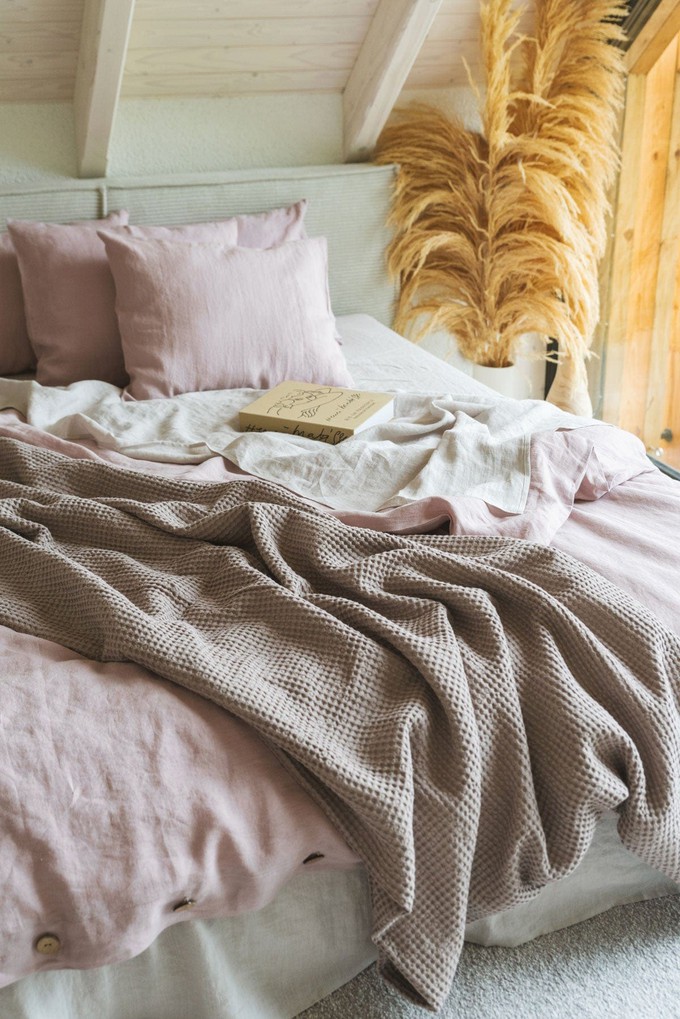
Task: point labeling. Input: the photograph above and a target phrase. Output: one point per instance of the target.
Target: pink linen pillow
(69, 297)
(16, 354)
(267, 229)
(224, 232)
(251, 230)
(276, 226)
(206, 316)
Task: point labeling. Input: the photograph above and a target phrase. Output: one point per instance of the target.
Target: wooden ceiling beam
(387, 54)
(101, 62)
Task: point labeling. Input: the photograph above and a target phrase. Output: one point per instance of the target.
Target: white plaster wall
(458, 102)
(193, 135)
(37, 140)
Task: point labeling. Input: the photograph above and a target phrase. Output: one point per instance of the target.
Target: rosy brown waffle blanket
(462, 708)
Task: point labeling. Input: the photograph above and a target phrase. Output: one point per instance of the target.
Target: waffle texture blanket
(463, 708)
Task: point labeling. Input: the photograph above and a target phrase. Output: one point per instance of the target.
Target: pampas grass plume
(499, 233)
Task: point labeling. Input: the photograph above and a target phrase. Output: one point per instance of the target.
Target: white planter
(510, 381)
(524, 380)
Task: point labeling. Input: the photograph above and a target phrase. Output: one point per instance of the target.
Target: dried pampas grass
(499, 233)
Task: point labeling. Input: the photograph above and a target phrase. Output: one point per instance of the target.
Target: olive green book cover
(325, 413)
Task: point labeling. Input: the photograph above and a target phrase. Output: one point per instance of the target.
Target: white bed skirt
(310, 940)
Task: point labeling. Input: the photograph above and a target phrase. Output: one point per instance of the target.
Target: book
(325, 413)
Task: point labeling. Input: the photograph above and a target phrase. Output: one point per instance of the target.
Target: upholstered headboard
(347, 204)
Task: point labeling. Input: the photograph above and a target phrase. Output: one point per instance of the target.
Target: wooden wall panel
(672, 409)
(649, 208)
(662, 412)
(642, 371)
(624, 233)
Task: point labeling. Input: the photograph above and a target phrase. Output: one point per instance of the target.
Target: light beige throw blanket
(463, 708)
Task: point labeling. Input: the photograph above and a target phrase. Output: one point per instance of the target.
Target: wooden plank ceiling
(208, 48)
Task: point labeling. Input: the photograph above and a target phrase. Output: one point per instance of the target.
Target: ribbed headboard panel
(347, 204)
(60, 204)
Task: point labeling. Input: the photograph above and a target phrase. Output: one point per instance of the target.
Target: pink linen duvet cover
(191, 813)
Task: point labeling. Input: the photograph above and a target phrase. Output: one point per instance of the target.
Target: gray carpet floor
(623, 964)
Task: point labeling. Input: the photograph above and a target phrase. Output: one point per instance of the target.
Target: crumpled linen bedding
(441, 445)
(563, 466)
(397, 936)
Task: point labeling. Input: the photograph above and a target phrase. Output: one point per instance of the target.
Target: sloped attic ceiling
(92, 52)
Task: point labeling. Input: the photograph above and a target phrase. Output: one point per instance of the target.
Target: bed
(162, 857)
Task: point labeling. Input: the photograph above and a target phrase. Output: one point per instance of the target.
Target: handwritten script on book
(332, 436)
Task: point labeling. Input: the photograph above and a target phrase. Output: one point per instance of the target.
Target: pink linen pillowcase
(250, 230)
(16, 354)
(221, 232)
(69, 298)
(267, 229)
(70, 293)
(205, 316)
(276, 226)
